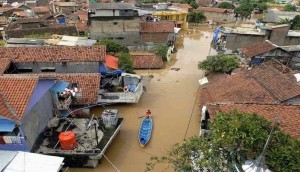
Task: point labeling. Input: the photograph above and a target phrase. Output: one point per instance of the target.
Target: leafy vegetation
(295, 23)
(112, 46)
(196, 17)
(121, 51)
(125, 61)
(290, 7)
(194, 4)
(234, 138)
(226, 5)
(161, 50)
(244, 10)
(219, 63)
(2, 43)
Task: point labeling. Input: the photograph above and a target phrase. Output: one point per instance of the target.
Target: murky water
(172, 96)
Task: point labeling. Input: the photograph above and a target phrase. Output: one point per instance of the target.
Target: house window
(126, 11)
(115, 23)
(119, 38)
(25, 69)
(64, 63)
(48, 69)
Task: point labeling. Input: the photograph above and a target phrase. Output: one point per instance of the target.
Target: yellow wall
(178, 16)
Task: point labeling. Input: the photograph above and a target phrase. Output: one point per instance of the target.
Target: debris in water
(175, 68)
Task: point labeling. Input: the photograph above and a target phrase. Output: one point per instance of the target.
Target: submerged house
(240, 37)
(29, 101)
(115, 21)
(25, 107)
(60, 59)
(263, 51)
(264, 90)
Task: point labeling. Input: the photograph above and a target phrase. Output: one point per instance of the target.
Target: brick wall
(154, 37)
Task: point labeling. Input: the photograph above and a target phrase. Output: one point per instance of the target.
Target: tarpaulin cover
(111, 61)
(59, 86)
(6, 125)
(216, 34)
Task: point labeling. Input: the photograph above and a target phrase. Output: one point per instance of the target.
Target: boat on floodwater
(126, 88)
(145, 130)
(81, 141)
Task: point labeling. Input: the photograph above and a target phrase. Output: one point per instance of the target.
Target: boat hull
(145, 131)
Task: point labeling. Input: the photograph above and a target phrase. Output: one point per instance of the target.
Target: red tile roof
(158, 27)
(17, 90)
(112, 61)
(204, 2)
(258, 48)
(4, 64)
(238, 88)
(289, 115)
(216, 10)
(262, 85)
(281, 86)
(89, 83)
(185, 5)
(6, 110)
(143, 60)
(54, 54)
(41, 9)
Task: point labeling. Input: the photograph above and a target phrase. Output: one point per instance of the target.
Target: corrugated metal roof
(32, 162)
(111, 6)
(6, 157)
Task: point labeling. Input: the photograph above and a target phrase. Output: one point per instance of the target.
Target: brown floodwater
(173, 98)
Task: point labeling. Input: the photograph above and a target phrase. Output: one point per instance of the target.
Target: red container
(67, 140)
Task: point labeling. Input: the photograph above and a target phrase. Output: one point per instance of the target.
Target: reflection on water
(172, 96)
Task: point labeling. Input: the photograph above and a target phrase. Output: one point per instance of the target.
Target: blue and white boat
(145, 131)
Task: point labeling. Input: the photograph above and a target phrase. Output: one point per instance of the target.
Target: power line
(191, 113)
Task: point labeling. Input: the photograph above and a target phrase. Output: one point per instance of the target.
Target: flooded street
(173, 98)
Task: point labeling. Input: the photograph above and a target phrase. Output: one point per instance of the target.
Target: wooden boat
(145, 131)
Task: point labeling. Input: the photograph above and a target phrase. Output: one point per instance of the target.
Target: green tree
(161, 50)
(261, 6)
(290, 7)
(219, 63)
(194, 4)
(226, 5)
(244, 10)
(125, 62)
(196, 17)
(234, 138)
(112, 46)
(284, 21)
(295, 23)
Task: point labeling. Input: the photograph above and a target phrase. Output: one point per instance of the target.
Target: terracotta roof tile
(262, 85)
(211, 9)
(289, 115)
(6, 110)
(54, 54)
(204, 3)
(89, 83)
(258, 48)
(185, 5)
(278, 84)
(41, 9)
(239, 88)
(146, 60)
(17, 90)
(4, 64)
(162, 26)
